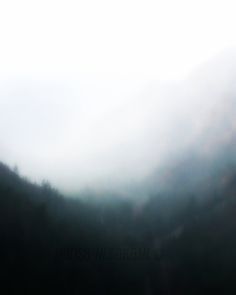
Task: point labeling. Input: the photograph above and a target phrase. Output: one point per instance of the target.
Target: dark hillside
(171, 244)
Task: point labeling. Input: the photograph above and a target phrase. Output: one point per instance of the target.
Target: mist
(117, 147)
(107, 133)
(105, 97)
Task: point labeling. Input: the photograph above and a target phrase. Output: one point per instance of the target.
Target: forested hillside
(169, 244)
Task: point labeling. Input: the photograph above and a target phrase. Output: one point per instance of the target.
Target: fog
(103, 98)
(117, 147)
(80, 133)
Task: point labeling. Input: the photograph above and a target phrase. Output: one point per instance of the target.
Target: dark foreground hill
(170, 244)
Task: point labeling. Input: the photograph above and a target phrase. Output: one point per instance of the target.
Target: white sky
(79, 83)
(152, 39)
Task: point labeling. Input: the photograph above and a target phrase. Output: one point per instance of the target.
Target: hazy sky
(92, 90)
(151, 39)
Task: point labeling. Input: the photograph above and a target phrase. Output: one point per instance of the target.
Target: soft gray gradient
(105, 133)
(101, 93)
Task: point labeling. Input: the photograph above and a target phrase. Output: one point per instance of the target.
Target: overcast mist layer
(95, 94)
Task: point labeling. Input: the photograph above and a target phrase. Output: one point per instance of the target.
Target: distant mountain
(180, 240)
